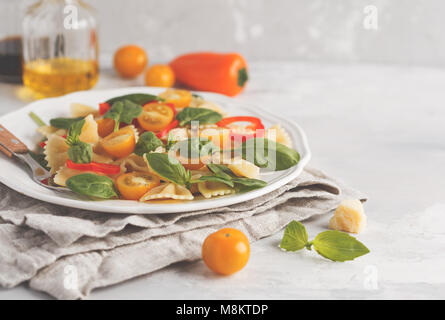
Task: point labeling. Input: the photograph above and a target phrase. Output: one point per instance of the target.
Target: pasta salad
(175, 145)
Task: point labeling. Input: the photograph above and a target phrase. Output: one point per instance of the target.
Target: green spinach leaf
(138, 98)
(92, 185)
(147, 142)
(269, 154)
(63, 123)
(123, 111)
(204, 116)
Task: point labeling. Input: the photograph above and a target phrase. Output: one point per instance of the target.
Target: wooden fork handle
(10, 144)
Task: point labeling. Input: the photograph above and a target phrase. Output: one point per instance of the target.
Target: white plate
(15, 176)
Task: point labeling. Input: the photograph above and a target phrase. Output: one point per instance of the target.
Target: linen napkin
(48, 245)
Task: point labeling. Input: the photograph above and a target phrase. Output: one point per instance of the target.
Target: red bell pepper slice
(94, 166)
(256, 124)
(104, 107)
(167, 129)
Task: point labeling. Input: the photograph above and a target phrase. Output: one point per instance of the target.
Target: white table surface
(379, 128)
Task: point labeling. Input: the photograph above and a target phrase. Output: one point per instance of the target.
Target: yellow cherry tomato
(226, 251)
(156, 116)
(179, 98)
(105, 126)
(160, 75)
(130, 61)
(133, 185)
(121, 143)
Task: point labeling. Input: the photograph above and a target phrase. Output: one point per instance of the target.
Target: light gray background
(410, 31)
(377, 127)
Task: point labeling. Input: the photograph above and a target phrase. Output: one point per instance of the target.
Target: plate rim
(99, 206)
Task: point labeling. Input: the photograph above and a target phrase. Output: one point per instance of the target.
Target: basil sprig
(204, 116)
(333, 245)
(169, 168)
(269, 154)
(138, 98)
(123, 111)
(92, 185)
(147, 142)
(63, 123)
(224, 175)
(79, 151)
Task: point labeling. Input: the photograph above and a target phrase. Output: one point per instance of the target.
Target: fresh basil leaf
(63, 123)
(138, 98)
(269, 154)
(228, 182)
(40, 159)
(338, 246)
(247, 184)
(169, 168)
(92, 185)
(74, 132)
(123, 111)
(80, 152)
(295, 237)
(147, 142)
(204, 116)
(221, 171)
(194, 148)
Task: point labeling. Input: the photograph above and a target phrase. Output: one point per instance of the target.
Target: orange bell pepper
(208, 71)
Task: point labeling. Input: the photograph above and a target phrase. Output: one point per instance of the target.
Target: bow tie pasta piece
(82, 110)
(211, 189)
(243, 168)
(132, 163)
(64, 173)
(56, 152)
(47, 131)
(89, 132)
(100, 158)
(278, 134)
(168, 191)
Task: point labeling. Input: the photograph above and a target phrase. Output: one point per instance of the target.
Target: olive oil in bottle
(60, 47)
(57, 76)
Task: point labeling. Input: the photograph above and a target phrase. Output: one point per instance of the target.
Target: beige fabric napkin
(52, 246)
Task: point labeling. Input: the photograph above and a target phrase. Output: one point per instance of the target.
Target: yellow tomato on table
(160, 75)
(226, 251)
(179, 98)
(156, 116)
(130, 61)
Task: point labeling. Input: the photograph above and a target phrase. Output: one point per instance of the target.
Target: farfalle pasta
(140, 147)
